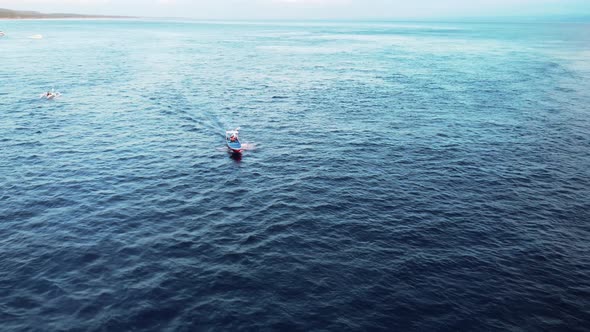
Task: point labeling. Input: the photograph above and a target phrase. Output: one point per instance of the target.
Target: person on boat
(232, 138)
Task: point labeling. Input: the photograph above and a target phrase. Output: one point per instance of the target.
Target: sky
(309, 9)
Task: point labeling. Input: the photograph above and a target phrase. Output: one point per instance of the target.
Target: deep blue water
(401, 176)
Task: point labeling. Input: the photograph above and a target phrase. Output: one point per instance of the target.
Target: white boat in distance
(50, 94)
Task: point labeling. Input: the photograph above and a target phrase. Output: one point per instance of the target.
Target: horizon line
(444, 18)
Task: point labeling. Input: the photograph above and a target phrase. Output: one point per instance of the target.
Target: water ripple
(414, 178)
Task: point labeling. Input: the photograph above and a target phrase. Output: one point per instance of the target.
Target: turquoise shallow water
(401, 176)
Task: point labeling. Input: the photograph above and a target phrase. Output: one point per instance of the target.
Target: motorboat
(50, 94)
(2, 34)
(233, 141)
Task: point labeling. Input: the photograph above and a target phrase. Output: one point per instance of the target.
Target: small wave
(249, 146)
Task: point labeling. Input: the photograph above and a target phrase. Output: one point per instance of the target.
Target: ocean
(399, 176)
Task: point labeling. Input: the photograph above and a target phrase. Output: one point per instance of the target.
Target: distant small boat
(2, 34)
(50, 95)
(233, 141)
(36, 37)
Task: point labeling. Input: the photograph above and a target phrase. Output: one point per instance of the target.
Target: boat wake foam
(248, 146)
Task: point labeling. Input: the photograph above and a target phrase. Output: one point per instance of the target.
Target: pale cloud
(314, 2)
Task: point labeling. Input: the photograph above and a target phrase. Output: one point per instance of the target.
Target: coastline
(68, 18)
(9, 14)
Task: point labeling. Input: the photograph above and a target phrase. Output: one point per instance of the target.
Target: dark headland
(17, 14)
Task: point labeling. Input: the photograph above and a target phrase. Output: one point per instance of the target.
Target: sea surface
(400, 176)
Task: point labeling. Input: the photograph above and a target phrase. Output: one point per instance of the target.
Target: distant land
(574, 18)
(17, 14)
